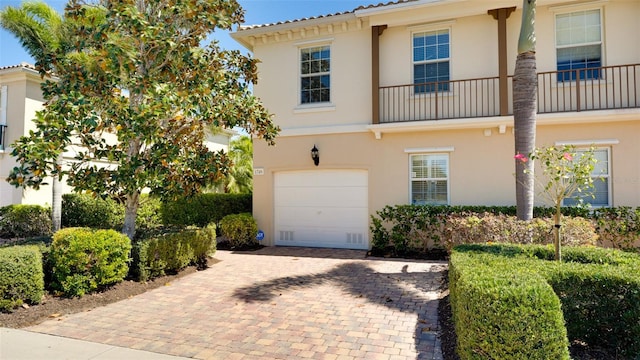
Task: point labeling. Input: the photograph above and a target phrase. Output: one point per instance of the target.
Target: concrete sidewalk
(26, 345)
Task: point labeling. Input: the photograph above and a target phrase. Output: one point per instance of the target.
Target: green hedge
(599, 290)
(24, 221)
(420, 228)
(21, 276)
(240, 229)
(172, 251)
(505, 314)
(83, 210)
(84, 260)
(204, 209)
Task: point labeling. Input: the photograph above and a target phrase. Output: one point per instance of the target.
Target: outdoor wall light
(315, 155)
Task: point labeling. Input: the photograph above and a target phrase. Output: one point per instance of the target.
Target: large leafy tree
(134, 98)
(42, 31)
(524, 110)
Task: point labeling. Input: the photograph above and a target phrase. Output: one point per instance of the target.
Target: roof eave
(241, 35)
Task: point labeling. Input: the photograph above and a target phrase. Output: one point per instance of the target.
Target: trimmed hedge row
(413, 228)
(83, 210)
(204, 209)
(84, 260)
(171, 252)
(500, 292)
(24, 221)
(21, 276)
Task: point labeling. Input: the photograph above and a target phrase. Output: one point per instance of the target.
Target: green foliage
(172, 251)
(599, 289)
(505, 314)
(203, 209)
(21, 276)
(601, 308)
(84, 260)
(618, 227)
(84, 210)
(159, 112)
(420, 228)
(240, 229)
(23, 221)
(240, 177)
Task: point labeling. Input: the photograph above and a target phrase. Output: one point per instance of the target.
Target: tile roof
(362, 7)
(21, 65)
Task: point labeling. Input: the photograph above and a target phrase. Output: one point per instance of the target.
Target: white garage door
(324, 208)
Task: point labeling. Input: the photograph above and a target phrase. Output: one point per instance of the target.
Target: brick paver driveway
(278, 303)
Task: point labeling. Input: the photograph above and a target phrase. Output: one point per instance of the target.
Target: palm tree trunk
(524, 114)
(525, 83)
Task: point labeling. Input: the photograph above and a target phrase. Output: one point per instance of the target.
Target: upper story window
(429, 179)
(579, 45)
(315, 77)
(431, 61)
(600, 195)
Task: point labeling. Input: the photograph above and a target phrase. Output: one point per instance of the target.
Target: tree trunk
(56, 199)
(556, 232)
(131, 204)
(524, 117)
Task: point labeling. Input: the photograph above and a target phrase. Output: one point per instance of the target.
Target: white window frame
(423, 30)
(307, 46)
(596, 177)
(574, 10)
(412, 178)
(3, 117)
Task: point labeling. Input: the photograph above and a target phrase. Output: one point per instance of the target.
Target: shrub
(618, 227)
(423, 228)
(240, 229)
(23, 221)
(21, 276)
(204, 209)
(599, 288)
(84, 260)
(502, 314)
(84, 210)
(170, 252)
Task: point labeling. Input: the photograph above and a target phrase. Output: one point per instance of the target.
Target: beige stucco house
(20, 98)
(410, 102)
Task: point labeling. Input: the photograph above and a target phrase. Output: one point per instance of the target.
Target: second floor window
(431, 61)
(579, 45)
(315, 77)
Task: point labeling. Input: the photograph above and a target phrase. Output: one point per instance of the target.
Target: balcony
(604, 88)
(3, 132)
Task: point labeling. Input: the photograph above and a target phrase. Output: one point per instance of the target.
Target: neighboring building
(410, 102)
(20, 98)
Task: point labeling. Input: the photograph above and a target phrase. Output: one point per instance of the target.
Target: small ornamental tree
(136, 91)
(565, 173)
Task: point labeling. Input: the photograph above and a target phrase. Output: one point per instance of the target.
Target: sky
(256, 12)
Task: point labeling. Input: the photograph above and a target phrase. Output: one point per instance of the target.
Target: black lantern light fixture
(315, 155)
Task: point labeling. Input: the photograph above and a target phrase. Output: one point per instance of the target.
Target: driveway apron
(278, 303)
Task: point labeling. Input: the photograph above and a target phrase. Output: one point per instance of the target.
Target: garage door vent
(355, 238)
(286, 235)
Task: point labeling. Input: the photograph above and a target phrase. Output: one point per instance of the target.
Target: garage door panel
(321, 197)
(326, 208)
(321, 217)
